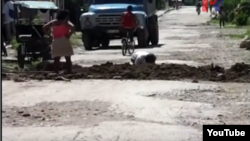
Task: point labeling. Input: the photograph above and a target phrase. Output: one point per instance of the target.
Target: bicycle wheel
(131, 47)
(124, 47)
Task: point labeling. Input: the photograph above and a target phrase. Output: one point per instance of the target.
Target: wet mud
(239, 72)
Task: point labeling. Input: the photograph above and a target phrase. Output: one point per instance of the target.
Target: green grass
(239, 36)
(214, 21)
(34, 64)
(232, 25)
(217, 22)
(9, 66)
(227, 24)
(14, 44)
(235, 36)
(247, 33)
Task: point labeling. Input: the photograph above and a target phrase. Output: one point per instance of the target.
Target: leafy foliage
(241, 19)
(160, 4)
(238, 11)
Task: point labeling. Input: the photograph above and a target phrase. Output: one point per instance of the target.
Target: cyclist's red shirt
(128, 20)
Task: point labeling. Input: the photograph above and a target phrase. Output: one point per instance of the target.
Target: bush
(245, 7)
(160, 4)
(241, 19)
(237, 11)
(37, 20)
(248, 21)
(248, 32)
(230, 5)
(14, 44)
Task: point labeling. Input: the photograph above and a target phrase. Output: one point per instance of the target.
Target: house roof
(37, 4)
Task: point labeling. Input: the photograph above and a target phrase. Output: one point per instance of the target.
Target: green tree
(160, 4)
(238, 11)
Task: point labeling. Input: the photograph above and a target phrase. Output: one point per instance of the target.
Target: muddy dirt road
(114, 110)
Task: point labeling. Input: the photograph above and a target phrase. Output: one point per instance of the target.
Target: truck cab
(102, 22)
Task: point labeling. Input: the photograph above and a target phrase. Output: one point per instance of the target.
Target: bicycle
(127, 45)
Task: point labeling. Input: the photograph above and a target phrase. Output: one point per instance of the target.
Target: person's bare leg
(56, 64)
(68, 63)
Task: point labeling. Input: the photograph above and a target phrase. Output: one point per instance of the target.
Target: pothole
(55, 114)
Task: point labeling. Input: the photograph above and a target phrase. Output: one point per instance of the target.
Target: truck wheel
(87, 41)
(154, 35)
(105, 42)
(47, 56)
(142, 37)
(96, 43)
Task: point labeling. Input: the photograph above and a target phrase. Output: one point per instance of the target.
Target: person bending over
(142, 57)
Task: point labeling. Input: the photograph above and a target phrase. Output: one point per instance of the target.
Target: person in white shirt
(8, 23)
(142, 57)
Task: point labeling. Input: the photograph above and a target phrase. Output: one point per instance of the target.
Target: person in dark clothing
(129, 22)
(7, 11)
(198, 7)
(210, 7)
(222, 16)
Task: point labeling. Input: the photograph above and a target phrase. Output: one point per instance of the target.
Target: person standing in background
(9, 15)
(222, 16)
(198, 6)
(62, 30)
(210, 7)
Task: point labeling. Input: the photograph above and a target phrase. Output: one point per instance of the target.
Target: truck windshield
(117, 1)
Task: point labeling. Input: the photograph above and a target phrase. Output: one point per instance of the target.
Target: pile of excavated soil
(239, 72)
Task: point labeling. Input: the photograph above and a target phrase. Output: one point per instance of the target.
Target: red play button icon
(213, 2)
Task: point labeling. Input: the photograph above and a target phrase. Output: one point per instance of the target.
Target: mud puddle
(239, 72)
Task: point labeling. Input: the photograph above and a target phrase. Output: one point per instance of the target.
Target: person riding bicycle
(142, 57)
(129, 22)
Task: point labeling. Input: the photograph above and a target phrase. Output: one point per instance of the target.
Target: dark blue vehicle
(102, 22)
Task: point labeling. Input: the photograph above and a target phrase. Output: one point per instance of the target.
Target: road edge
(166, 11)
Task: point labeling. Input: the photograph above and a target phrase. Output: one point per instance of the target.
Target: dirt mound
(49, 66)
(239, 72)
